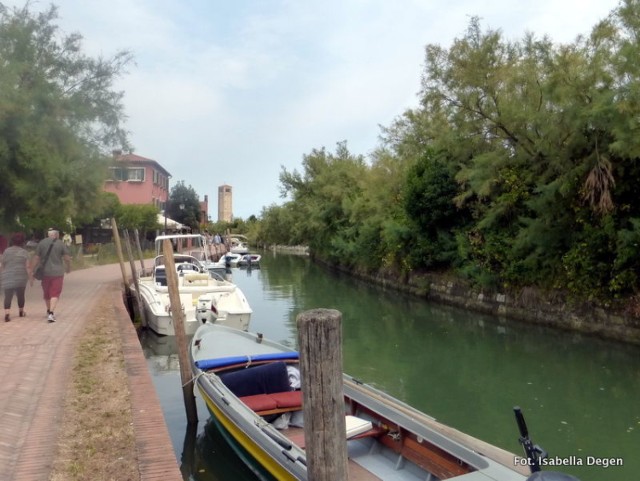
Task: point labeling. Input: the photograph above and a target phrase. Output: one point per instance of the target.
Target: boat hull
(397, 443)
(260, 460)
(231, 304)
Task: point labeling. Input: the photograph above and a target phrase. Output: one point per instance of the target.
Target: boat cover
(263, 379)
(206, 364)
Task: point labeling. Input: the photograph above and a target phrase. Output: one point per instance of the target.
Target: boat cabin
(191, 244)
(185, 266)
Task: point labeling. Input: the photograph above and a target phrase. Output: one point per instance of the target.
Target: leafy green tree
(519, 167)
(540, 156)
(143, 217)
(108, 206)
(275, 226)
(322, 196)
(59, 119)
(184, 205)
(430, 191)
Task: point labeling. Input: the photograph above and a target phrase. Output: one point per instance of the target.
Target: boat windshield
(186, 243)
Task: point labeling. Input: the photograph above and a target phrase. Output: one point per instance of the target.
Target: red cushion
(259, 402)
(289, 399)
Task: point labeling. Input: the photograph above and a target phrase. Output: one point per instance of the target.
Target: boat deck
(356, 471)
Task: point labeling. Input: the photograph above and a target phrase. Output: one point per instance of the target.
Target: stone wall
(295, 250)
(529, 304)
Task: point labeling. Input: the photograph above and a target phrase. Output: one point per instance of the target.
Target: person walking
(15, 272)
(56, 260)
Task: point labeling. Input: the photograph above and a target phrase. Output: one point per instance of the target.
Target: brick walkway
(35, 362)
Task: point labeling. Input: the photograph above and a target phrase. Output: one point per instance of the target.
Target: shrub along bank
(517, 174)
(552, 309)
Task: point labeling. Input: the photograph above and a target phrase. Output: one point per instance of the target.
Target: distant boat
(248, 383)
(249, 260)
(226, 260)
(239, 248)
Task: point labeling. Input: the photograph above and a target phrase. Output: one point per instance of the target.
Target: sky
(231, 92)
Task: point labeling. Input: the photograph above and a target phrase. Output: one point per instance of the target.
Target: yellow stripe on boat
(247, 443)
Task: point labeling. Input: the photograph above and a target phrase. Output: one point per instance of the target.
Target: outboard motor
(532, 452)
(206, 310)
(535, 454)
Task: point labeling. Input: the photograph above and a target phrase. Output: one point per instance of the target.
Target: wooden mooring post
(320, 346)
(116, 238)
(140, 255)
(181, 338)
(134, 278)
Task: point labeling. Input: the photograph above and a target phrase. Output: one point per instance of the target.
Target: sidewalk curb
(156, 457)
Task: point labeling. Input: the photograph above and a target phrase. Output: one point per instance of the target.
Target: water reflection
(202, 452)
(208, 457)
(579, 394)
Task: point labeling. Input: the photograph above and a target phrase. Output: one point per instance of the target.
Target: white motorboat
(194, 245)
(239, 248)
(204, 296)
(231, 259)
(226, 260)
(249, 260)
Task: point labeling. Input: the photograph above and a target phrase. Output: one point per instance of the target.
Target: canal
(580, 395)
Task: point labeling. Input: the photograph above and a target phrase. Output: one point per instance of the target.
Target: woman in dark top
(15, 272)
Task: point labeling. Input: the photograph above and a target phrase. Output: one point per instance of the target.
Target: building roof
(133, 158)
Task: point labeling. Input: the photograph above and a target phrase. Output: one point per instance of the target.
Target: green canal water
(580, 395)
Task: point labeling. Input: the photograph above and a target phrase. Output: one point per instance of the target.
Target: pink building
(138, 180)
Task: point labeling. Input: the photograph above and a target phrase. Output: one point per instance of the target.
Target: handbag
(38, 273)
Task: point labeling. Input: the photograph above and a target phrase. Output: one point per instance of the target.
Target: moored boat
(251, 387)
(239, 248)
(249, 260)
(226, 260)
(204, 296)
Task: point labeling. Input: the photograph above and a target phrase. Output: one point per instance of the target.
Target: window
(136, 174)
(118, 173)
(133, 174)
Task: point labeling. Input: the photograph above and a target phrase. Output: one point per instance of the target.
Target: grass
(104, 254)
(96, 439)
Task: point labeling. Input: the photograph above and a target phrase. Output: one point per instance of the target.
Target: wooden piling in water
(320, 346)
(134, 277)
(140, 255)
(181, 338)
(116, 238)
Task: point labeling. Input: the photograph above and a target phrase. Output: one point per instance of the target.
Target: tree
(275, 226)
(430, 191)
(519, 167)
(60, 118)
(544, 143)
(143, 217)
(184, 205)
(322, 197)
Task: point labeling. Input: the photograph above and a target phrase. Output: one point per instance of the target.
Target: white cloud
(227, 92)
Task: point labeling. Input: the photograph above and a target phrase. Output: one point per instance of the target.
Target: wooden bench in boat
(282, 402)
(356, 428)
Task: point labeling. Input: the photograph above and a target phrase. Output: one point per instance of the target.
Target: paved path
(36, 359)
